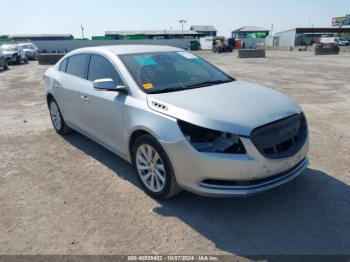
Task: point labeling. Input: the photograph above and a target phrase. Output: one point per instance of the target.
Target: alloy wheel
(55, 116)
(150, 168)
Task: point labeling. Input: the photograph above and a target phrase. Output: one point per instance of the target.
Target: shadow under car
(308, 216)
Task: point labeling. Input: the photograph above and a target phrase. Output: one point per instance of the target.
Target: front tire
(18, 60)
(57, 119)
(6, 66)
(154, 168)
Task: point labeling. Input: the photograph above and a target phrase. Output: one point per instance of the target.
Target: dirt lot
(68, 195)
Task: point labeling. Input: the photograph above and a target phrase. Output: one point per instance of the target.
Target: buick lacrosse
(182, 122)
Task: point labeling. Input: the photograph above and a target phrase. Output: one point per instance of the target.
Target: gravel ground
(68, 195)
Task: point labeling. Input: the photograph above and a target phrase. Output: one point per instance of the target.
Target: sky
(66, 16)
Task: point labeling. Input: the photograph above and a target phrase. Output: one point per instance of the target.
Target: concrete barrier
(70, 45)
(49, 58)
(331, 50)
(251, 53)
(344, 49)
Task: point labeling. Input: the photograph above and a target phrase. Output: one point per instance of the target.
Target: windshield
(28, 46)
(9, 48)
(172, 71)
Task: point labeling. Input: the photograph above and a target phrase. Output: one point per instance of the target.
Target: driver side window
(100, 68)
(181, 65)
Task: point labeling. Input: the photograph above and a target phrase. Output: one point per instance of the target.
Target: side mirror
(105, 84)
(108, 84)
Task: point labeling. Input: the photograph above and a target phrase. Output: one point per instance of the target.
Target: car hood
(237, 107)
(9, 52)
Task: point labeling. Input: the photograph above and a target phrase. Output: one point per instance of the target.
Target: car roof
(130, 49)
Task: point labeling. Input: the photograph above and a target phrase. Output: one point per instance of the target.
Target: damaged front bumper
(220, 175)
(246, 188)
(11, 58)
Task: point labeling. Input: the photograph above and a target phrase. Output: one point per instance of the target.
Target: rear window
(63, 65)
(77, 65)
(28, 46)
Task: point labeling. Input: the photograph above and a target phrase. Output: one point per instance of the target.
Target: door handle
(85, 98)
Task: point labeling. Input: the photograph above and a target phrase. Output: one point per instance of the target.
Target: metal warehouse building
(304, 36)
(205, 30)
(43, 37)
(250, 36)
(152, 34)
(250, 32)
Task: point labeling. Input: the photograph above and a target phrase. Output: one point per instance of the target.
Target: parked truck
(220, 45)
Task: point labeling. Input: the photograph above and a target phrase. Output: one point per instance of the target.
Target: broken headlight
(211, 141)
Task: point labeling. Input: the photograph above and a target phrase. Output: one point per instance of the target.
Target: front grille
(282, 138)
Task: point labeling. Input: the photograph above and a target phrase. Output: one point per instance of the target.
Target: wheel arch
(134, 135)
(49, 98)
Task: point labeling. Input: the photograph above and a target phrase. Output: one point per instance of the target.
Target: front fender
(161, 127)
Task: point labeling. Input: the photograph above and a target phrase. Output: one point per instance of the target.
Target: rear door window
(77, 65)
(63, 65)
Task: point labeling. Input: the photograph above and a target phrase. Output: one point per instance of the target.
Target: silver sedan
(181, 121)
(3, 61)
(14, 53)
(30, 49)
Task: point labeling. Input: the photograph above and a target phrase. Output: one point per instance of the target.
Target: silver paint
(110, 118)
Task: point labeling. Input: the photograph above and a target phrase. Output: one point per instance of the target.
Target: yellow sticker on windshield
(148, 86)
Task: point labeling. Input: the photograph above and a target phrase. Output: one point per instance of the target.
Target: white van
(334, 40)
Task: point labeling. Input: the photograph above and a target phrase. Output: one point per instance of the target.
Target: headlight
(212, 141)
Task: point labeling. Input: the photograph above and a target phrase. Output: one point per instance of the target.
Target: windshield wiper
(167, 90)
(198, 85)
(209, 83)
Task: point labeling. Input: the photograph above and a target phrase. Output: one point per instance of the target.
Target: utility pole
(272, 30)
(182, 22)
(82, 31)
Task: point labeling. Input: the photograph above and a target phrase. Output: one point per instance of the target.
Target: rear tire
(6, 66)
(57, 119)
(153, 168)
